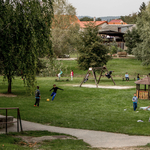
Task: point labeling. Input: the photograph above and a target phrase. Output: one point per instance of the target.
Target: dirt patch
(105, 87)
(35, 142)
(7, 95)
(30, 139)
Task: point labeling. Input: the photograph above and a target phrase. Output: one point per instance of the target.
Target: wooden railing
(18, 118)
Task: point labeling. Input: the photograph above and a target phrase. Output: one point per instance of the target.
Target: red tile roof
(116, 21)
(96, 23)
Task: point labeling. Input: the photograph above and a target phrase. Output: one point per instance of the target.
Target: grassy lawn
(84, 108)
(10, 141)
(75, 107)
(120, 66)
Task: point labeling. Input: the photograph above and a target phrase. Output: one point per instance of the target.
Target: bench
(124, 79)
(122, 54)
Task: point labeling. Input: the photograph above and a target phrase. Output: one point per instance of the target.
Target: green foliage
(131, 39)
(113, 48)
(64, 28)
(142, 50)
(93, 53)
(98, 19)
(25, 36)
(130, 19)
(142, 8)
(52, 68)
(86, 19)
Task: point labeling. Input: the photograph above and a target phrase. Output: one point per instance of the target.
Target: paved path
(94, 138)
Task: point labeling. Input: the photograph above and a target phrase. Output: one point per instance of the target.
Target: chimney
(94, 19)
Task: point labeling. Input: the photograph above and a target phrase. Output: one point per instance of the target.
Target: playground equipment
(93, 69)
(143, 93)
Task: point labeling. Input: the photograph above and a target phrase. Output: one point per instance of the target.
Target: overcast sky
(102, 8)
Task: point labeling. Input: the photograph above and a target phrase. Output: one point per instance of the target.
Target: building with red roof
(100, 24)
(116, 21)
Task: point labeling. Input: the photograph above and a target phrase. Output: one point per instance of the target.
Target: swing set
(93, 69)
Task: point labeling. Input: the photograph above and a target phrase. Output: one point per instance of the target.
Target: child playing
(71, 74)
(59, 74)
(108, 75)
(87, 77)
(54, 91)
(135, 101)
(37, 97)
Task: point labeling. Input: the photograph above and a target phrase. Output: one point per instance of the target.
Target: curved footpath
(94, 138)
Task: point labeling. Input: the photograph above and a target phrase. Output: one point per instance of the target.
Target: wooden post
(113, 80)
(94, 77)
(100, 76)
(148, 92)
(145, 87)
(138, 88)
(84, 78)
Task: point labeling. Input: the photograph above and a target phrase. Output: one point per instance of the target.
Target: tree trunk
(9, 83)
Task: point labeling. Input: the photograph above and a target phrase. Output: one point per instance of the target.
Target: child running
(54, 91)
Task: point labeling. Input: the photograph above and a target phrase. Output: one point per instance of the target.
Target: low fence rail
(18, 118)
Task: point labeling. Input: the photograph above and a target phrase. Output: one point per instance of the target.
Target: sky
(103, 8)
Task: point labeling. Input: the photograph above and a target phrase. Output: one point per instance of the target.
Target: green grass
(10, 141)
(120, 66)
(84, 108)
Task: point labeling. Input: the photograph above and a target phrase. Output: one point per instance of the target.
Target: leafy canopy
(142, 50)
(25, 36)
(93, 52)
(65, 30)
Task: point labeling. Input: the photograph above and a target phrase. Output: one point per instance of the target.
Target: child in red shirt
(71, 74)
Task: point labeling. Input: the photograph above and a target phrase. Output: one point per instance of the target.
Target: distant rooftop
(116, 21)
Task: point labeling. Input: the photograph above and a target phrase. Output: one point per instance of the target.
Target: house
(116, 21)
(100, 24)
(116, 33)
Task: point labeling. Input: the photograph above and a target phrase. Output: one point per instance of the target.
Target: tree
(131, 38)
(130, 19)
(98, 19)
(86, 19)
(65, 29)
(142, 8)
(142, 50)
(25, 36)
(93, 53)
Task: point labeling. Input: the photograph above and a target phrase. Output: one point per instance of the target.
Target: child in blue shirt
(127, 76)
(135, 101)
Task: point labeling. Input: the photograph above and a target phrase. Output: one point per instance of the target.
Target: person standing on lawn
(71, 74)
(138, 77)
(37, 97)
(135, 101)
(54, 91)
